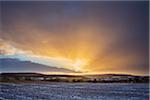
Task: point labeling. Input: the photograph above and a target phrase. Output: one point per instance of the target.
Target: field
(74, 91)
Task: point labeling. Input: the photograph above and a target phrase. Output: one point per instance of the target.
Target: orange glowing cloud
(88, 38)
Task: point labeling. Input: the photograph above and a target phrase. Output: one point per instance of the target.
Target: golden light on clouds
(86, 37)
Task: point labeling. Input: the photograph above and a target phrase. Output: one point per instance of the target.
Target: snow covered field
(74, 91)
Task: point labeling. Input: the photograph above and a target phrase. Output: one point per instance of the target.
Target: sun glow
(79, 64)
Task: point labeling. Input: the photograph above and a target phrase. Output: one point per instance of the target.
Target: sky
(90, 37)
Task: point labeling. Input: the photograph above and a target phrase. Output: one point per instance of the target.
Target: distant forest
(104, 78)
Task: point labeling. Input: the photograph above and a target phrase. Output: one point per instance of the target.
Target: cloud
(9, 51)
(6, 49)
(106, 37)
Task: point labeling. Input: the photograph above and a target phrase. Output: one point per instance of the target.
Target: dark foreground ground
(74, 91)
